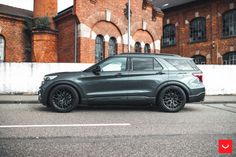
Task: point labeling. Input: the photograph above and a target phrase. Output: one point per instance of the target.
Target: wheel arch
(75, 86)
(173, 83)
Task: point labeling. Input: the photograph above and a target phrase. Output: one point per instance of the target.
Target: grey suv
(161, 80)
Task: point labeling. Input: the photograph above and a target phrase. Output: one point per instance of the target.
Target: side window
(114, 64)
(147, 64)
(157, 65)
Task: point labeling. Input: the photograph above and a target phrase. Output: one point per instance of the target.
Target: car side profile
(162, 80)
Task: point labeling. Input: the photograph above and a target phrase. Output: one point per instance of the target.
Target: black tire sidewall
(75, 98)
(161, 104)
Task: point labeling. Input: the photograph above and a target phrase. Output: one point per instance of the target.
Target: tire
(171, 99)
(63, 98)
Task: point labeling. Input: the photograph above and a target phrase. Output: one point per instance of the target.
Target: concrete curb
(36, 102)
(18, 102)
(33, 99)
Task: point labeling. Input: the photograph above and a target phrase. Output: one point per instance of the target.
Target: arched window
(199, 59)
(229, 23)
(229, 58)
(99, 48)
(112, 46)
(138, 47)
(168, 35)
(2, 47)
(198, 29)
(147, 48)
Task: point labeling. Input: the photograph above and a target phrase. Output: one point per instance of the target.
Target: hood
(63, 73)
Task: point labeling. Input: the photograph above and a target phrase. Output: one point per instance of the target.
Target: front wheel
(171, 99)
(63, 98)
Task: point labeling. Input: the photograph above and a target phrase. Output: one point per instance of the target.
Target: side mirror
(96, 70)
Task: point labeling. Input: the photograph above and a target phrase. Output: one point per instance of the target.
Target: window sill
(195, 42)
(167, 46)
(228, 37)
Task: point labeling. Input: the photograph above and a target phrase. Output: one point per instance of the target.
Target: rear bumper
(197, 95)
(197, 98)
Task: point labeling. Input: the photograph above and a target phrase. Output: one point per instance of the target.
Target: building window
(2, 47)
(147, 48)
(198, 29)
(99, 48)
(229, 58)
(169, 35)
(112, 46)
(229, 24)
(138, 47)
(199, 59)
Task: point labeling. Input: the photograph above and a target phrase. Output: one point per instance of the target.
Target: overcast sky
(28, 4)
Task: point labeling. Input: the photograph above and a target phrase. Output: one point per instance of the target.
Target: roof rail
(161, 54)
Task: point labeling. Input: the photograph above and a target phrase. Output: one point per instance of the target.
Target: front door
(109, 85)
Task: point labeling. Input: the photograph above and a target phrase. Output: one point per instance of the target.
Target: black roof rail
(161, 54)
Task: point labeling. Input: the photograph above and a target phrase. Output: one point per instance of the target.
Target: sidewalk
(4, 99)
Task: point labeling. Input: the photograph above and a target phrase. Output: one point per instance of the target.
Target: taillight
(199, 76)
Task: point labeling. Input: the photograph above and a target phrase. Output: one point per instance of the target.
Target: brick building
(87, 32)
(202, 29)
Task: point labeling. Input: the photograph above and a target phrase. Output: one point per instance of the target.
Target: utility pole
(128, 26)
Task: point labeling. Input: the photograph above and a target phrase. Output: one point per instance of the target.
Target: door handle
(160, 73)
(118, 74)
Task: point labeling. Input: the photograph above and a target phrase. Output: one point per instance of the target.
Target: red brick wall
(93, 14)
(66, 39)
(44, 8)
(44, 46)
(12, 31)
(215, 45)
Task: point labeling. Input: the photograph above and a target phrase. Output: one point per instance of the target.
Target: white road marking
(64, 125)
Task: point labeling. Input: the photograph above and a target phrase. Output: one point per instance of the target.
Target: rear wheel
(63, 98)
(171, 99)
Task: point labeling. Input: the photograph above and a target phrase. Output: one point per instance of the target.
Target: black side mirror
(96, 70)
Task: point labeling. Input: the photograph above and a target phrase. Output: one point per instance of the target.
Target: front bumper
(42, 97)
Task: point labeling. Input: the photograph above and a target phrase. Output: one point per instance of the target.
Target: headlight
(47, 78)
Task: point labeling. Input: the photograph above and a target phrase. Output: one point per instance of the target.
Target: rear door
(145, 75)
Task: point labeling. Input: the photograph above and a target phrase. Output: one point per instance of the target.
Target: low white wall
(219, 79)
(27, 77)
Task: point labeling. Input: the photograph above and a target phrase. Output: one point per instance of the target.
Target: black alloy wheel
(171, 99)
(63, 98)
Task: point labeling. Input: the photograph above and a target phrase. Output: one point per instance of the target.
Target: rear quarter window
(182, 64)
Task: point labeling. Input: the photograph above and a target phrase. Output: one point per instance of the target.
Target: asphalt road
(34, 130)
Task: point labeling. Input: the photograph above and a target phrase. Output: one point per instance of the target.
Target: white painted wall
(219, 79)
(27, 77)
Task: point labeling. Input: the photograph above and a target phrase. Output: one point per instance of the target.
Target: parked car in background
(162, 80)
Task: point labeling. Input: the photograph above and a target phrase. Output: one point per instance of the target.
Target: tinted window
(182, 64)
(114, 64)
(229, 23)
(168, 35)
(198, 29)
(140, 64)
(199, 59)
(229, 58)
(138, 47)
(99, 52)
